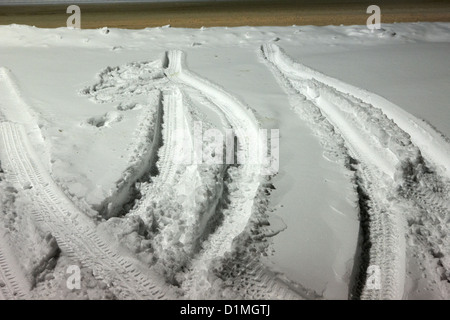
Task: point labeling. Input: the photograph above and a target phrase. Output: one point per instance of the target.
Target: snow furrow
(21, 112)
(255, 280)
(176, 139)
(142, 161)
(243, 122)
(174, 135)
(433, 145)
(13, 284)
(74, 232)
(393, 172)
(240, 116)
(386, 227)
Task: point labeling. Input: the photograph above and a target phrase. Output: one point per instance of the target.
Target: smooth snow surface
(99, 162)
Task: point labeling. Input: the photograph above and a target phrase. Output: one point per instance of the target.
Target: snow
(100, 109)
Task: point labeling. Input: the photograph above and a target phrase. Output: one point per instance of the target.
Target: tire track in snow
(75, 233)
(176, 137)
(13, 284)
(392, 164)
(248, 180)
(255, 280)
(176, 133)
(21, 112)
(386, 230)
(433, 145)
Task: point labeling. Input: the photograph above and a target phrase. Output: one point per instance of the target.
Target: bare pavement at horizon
(230, 14)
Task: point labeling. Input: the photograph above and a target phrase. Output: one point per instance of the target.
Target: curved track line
(387, 226)
(240, 117)
(256, 281)
(21, 112)
(432, 144)
(75, 233)
(244, 123)
(177, 139)
(13, 283)
(176, 133)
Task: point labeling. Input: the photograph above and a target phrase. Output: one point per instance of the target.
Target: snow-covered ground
(94, 124)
